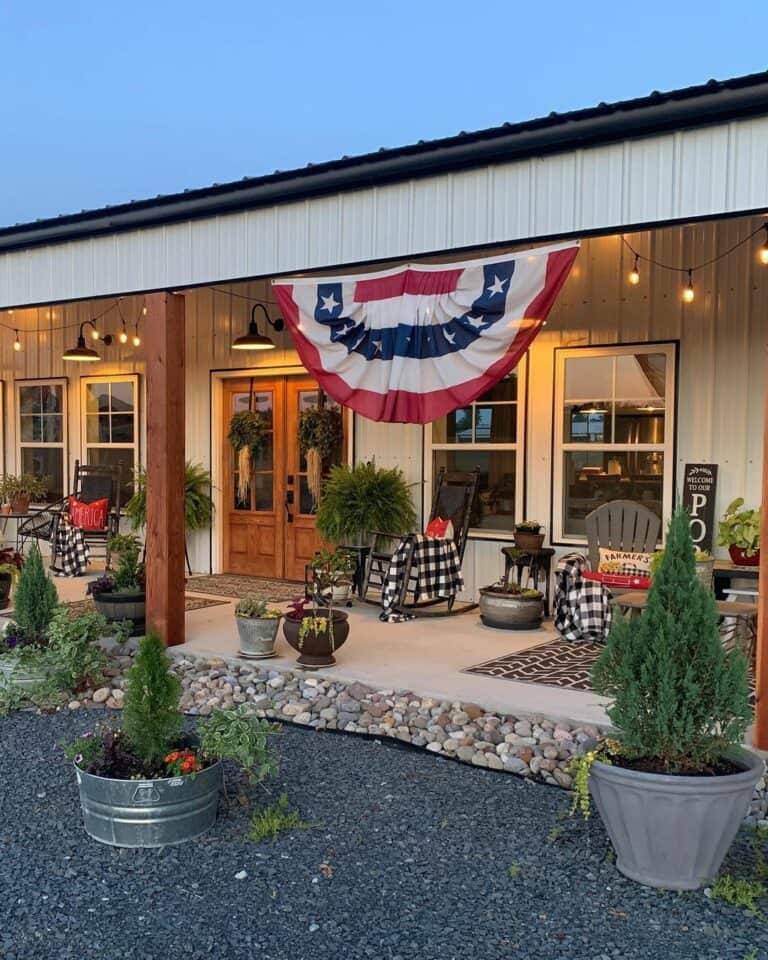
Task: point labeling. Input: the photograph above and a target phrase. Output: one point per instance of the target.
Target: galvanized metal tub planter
(149, 813)
(673, 832)
(257, 636)
(117, 607)
(16, 673)
(315, 648)
(510, 611)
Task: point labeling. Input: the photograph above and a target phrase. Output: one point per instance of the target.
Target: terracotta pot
(5, 509)
(525, 540)
(20, 504)
(740, 558)
(315, 649)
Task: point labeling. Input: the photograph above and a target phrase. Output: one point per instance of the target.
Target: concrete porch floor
(426, 655)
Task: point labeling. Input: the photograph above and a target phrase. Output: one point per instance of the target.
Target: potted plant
(528, 535)
(673, 783)
(120, 596)
(198, 504)
(11, 563)
(316, 630)
(507, 606)
(321, 432)
(332, 571)
(257, 626)
(21, 491)
(362, 499)
(739, 530)
(148, 784)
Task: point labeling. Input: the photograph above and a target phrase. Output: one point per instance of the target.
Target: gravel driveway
(415, 853)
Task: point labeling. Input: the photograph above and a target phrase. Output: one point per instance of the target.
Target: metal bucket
(257, 636)
(149, 813)
(13, 674)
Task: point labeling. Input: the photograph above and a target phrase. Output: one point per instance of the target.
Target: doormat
(237, 586)
(77, 608)
(557, 663)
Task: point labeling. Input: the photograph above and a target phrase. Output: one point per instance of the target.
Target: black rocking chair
(91, 482)
(454, 496)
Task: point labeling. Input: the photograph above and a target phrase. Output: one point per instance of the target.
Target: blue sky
(103, 103)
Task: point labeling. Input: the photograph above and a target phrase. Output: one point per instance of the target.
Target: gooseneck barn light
(253, 340)
(81, 353)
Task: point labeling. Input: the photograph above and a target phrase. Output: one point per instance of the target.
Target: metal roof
(716, 101)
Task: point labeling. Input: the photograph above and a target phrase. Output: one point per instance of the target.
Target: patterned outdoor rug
(231, 585)
(557, 663)
(78, 607)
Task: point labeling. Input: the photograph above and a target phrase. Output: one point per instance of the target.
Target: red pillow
(439, 528)
(618, 580)
(89, 516)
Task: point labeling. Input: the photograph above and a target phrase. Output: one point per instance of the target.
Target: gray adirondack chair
(621, 525)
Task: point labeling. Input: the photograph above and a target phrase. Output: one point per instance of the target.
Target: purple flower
(78, 759)
(11, 640)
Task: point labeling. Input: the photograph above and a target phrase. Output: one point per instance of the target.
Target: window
(487, 433)
(614, 431)
(111, 425)
(42, 432)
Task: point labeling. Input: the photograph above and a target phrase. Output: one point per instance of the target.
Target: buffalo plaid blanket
(71, 550)
(582, 607)
(429, 564)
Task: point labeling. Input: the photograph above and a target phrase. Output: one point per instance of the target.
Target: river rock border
(534, 747)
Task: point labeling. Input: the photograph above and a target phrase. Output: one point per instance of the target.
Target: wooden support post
(760, 734)
(164, 346)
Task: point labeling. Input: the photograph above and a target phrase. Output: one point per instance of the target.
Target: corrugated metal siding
(713, 170)
(722, 359)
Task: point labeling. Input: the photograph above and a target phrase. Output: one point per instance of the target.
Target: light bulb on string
(95, 335)
(136, 339)
(634, 274)
(17, 342)
(763, 254)
(123, 335)
(688, 292)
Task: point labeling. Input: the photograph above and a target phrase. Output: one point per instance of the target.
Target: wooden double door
(270, 532)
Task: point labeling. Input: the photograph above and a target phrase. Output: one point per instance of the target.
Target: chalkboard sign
(699, 488)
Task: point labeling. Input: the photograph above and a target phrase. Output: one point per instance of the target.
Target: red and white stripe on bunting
(413, 343)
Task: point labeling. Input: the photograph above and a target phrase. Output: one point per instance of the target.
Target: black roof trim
(713, 102)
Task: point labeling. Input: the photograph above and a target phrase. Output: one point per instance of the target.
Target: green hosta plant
(360, 499)
(74, 653)
(240, 736)
(679, 699)
(252, 607)
(740, 528)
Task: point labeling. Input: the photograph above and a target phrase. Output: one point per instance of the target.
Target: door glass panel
(306, 501)
(260, 493)
(263, 484)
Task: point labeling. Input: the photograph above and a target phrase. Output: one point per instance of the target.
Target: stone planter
(6, 580)
(257, 636)
(740, 558)
(16, 675)
(117, 607)
(149, 813)
(673, 832)
(510, 611)
(315, 649)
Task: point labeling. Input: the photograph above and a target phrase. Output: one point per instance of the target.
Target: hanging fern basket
(247, 430)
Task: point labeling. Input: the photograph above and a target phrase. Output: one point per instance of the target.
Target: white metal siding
(713, 170)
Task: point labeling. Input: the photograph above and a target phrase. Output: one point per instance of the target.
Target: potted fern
(673, 783)
(257, 626)
(198, 504)
(362, 499)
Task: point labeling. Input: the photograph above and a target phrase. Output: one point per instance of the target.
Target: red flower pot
(740, 558)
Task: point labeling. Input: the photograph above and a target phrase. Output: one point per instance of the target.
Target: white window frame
(85, 444)
(487, 533)
(63, 445)
(559, 447)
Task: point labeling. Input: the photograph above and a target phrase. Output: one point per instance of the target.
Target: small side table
(539, 564)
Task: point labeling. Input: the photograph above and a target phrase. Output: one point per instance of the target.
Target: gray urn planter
(257, 636)
(16, 675)
(673, 832)
(149, 813)
(509, 611)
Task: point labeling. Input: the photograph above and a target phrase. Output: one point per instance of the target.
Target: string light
(123, 335)
(17, 342)
(764, 249)
(95, 335)
(634, 273)
(136, 340)
(688, 292)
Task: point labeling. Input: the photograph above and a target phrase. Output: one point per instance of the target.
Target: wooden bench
(743, 630)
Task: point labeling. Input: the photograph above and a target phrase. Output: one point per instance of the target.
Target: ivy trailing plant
(321, 432)
(247, 430)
